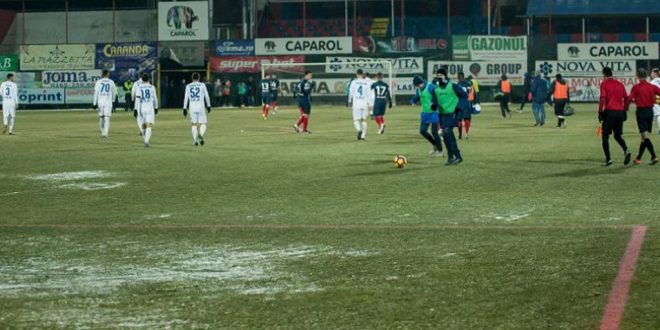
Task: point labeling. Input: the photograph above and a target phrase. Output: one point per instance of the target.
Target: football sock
(642, 147)
(364, 129)
(300, 120)
(139, 123)
(606, 147)
(101, 125)
(619, 139)
(106, 126)
(467, 126)
(657, 118)
(11, 124)
(382, 120)
(305, 123)
(357, 125)
(194, 133)
(147, 135)
(649, 145)
(202, 129)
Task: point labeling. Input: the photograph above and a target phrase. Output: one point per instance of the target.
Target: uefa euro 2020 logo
(179, 16)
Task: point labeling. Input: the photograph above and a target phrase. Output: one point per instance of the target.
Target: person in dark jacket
(539, 91)
(527, 88)
(560, 98)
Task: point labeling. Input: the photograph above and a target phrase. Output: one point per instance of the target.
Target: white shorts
(105, 110)
(147, 117)
(656, 110)
(198, 117)
(360, 111)
(8, 109)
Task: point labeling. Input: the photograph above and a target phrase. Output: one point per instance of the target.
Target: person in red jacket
(643, 94)
(612, 114)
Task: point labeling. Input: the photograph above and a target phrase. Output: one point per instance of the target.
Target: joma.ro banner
(490, 48)
(77, 79)
(57, 57)
(487, 73)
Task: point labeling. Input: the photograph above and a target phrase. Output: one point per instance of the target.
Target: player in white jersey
(9, 92)
(104, 97)
(367, 77)
(134, 90)
(359, 95)
(147, 108)
(196, 100)
(655, 79)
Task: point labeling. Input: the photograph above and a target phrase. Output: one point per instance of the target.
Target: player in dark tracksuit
(464, 109)
(274, 92)
(303, 93)
(382, 99)
(266, 96)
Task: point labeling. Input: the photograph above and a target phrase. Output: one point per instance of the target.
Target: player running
(195, 100)
(147, 108)
(266, 96)
(382, 98)
(448, 96)
(274, 92)
(359, 96)
(104, 97)
(464, 111)
(134, 91)
(9, 91)
(303, 93)
(644, 95)
(425, 96)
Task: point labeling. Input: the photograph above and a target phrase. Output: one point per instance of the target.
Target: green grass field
(265, 228)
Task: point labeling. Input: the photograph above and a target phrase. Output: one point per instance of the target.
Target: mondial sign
(303, 46)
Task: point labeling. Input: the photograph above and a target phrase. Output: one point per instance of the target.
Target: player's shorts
(656, 110)
(379, 109)
(147, 117)
(464, 114)
(273, 97)
(266, 98)
(105, 110)
(613, 122)
(644, 119)
(305, 107)
(198, 117)
(8, 109)
(430, 117)
(360, 111)
(447, 120)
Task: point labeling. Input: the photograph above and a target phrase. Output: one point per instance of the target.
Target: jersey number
(360, 90)
(194, 93)
(8, 92)
(105, 89)
(146, 95)
(380, 90)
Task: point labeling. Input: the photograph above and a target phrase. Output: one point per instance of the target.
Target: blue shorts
(379, 108)
(305, 107)
(266, 98)
(464, 114)
(447, 120)
(430, 117)
(273, 97)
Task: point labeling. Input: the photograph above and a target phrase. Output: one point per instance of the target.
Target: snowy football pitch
(265, 228)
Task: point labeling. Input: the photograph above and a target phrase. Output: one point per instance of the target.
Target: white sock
(202, 129)
(364, 129)
(11, 124)
(106, 126)
(147, 135)
(101, 124)
(5, 120)
(658, 119)
(139, 123)
(194, 133)
(358, 126)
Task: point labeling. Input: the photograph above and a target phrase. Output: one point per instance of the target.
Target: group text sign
(183, 20)
(70, 79)
(608, 51)
(304, 46)
(57, 57)
(234, 48)
(126, 60)
(41, 96)
(401, 65)
(487, 73)
(587, 89)
(577, 68)
(490, 48)
(253, 64)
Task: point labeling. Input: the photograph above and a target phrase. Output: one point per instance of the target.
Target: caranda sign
(252, 64)
(291, 46)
